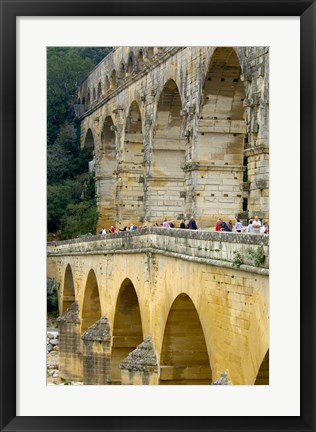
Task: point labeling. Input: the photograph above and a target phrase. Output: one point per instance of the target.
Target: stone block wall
(177, 131)
(70, 344)
(154, 283)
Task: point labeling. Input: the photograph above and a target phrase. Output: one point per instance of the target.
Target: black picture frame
(9, 11)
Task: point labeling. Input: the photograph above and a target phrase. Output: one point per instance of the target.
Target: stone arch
(89, 141)
(94, 95)
(113, 80)
(108, 165)
(91, 307)
(167, 175)
(88, 99)
(132, 187)
(219, 147)
(184, 357)
(127, 328)
(99, 90)
(68, 290)
(84, 101)
(107, 84)
(263, 372)
(90, 146)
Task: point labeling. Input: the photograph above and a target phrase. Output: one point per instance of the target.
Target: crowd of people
(255, 226)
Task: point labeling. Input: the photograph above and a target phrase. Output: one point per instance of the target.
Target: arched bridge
(163, 306)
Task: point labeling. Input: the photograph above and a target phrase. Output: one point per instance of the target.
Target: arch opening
(122, 71)
(221, 139)
(107, 84)
(107, 166)
(113, 80)
(184, 358)
(130, 65)
(89, 145)
(68, 291)
(140, 59)
(132, 190)
(150, 53)
(127, 328)
(91, 309)
(167, 174)
(94, 95)
(263, 373)
(99, 90)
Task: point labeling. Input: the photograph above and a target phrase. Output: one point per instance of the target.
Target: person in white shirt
(250, 227)
(256, 224)
(103, 232)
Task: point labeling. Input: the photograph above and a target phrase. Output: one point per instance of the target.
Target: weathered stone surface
(224, 379)
(72, 315)
(100, 331)
(143, 358)
(195, 141)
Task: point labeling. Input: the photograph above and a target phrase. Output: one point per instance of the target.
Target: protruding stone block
(140, 367)
(96, 352)
(70, 344)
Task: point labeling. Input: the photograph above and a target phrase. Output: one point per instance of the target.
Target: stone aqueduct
(178, 131)
(172, 132)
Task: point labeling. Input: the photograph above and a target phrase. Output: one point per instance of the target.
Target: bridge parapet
(248, 252)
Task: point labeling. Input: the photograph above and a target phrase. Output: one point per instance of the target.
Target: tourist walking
(192, 224)
(167, 223)
(256, 224)
(238, 226)
(182, 224)
(218, 224)
(250, 227)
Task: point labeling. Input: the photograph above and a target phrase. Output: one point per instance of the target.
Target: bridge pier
(96, 353)
(140, 367)
(70, 344)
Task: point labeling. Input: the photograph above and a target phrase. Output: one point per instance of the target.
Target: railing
(248, 252)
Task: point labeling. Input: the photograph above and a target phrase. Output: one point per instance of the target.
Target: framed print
(174, 113)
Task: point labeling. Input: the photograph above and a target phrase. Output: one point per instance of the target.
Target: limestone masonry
(177, 131)
(173, 132)
(163, 306)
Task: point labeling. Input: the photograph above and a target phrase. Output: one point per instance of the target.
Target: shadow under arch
(167, 176)
(91, 307)
(127, 328)
(263, 373)
(68, 290)
(184, 358)
(107, 166)
(222, 137)
(132, 191)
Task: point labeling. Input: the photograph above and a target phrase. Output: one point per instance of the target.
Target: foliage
(80, 218)
(69, 183)
(58, 198)
(257, 256)
(238, 259)
(66, 67)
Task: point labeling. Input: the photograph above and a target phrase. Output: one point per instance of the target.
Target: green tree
(71, 190)
(80, 218)
(58, 198)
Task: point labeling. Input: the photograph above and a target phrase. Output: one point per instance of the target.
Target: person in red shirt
(218, 225)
